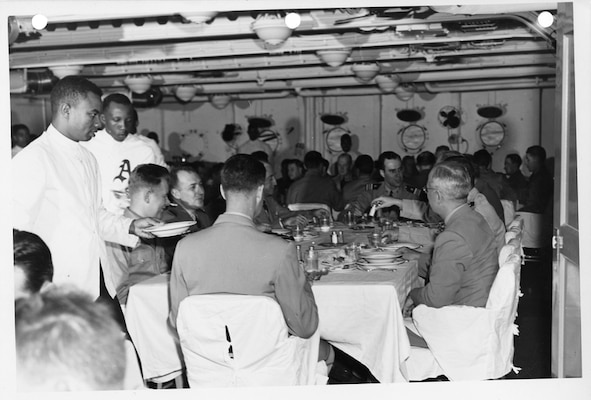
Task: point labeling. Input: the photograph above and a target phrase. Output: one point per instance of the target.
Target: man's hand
(321, 212)
(315, 274)
(408, 307)
(299, 219)
(138, 225)
(409, 254)
(385, 202)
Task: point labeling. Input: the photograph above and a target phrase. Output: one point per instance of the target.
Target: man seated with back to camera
(33, 267)
(464, 261)
(148, 193)
(67, 342)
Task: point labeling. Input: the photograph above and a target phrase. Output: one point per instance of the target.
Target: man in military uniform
(390, 165)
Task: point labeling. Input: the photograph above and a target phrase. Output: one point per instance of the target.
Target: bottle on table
(312, 259)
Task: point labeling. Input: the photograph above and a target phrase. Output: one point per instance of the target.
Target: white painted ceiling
(439, 48)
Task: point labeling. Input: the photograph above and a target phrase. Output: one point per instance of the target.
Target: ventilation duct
(34, 82)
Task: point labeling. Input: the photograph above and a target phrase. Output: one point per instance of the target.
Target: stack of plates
(397, 245)
(171, 229)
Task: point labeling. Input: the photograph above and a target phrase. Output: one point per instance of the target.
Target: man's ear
(223, 193)
(176, 194)
(260, 192)
(382, 173)
(147, 196)
(103, 119)
(64, 110)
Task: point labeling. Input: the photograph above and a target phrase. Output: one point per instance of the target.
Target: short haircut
(253, 131)
(465, 161)
(387, 155)
(147, 176)
(32, 255)
(242, 173)
(117, 98)
(364, 163)
(313, 160)
(452, 178)
(261, 156)
(63, 332)
(537, 152)
(71, 89)
(514, 158)
(346, 156)
(174, 174)
(443, 147)
(154, 136)
(482, 158)
(298, 163)
(426, 158)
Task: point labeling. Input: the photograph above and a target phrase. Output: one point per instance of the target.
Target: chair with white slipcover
(242, 340)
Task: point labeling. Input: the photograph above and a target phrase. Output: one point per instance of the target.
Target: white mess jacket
(56, 194)
(116, 160)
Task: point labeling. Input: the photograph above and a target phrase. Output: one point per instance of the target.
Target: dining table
(360, 311)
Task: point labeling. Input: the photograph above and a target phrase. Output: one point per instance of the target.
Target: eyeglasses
(426, 189)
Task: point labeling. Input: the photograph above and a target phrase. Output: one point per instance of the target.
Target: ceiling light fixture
(271, 28)
(365, 72)
(220, 101)
(185, 93)
(405, 91)
(39, 21)
(545, 19)
(199, 17)
(60, 71)
(138, 83)
(293, 20)
(387, 83)
(334, 58)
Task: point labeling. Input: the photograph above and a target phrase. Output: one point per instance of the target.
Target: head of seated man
(390, 165)
(186, 188)
(148, 190)
(67, 342)
(33, 268)
(512, 164)
(344, 164)
(243, 183)
(448, 186)
(295, 169)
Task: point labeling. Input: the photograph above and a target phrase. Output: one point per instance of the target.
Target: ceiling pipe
(475, 9)
(248, 96)
(499, 84)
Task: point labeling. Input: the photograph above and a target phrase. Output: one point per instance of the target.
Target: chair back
(235, 340)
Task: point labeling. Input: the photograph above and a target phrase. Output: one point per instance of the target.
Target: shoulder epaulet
(369, 187)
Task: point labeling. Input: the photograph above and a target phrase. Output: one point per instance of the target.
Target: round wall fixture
(333, 138)
(413, 138)
(333, 119)
(492, 133)
(490, 112)
(409, 115)
(449, 117)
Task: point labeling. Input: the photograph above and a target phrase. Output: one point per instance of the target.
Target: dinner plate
(380, 258)
(171, 229)
(397, 245)
(381, 265)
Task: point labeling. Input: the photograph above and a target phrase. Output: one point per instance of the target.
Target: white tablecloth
(360, 312)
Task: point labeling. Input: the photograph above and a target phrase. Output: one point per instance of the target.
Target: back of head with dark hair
(261, 156)
(387, 155)
(537, 152)
(117, 98)
(313, 160)
(426, 158)
(515, 159)
(147, 176)
(64, 336)
(242, 173)
(482, 158)
(71, 89)
(32, 255)
(154, 137)
(364, 164)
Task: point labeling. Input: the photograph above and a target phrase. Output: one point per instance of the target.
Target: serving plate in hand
(171, 229)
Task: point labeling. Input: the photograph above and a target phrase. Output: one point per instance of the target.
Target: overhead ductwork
(32, 82)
